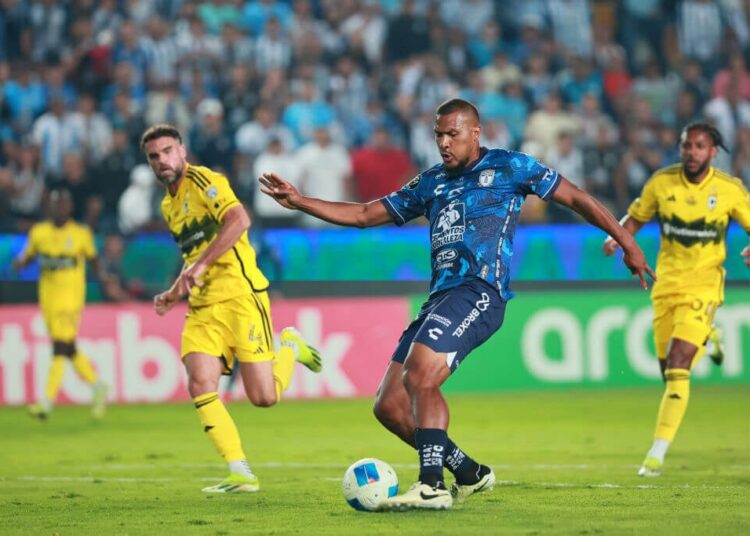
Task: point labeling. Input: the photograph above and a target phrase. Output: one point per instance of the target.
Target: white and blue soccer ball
(368, 482)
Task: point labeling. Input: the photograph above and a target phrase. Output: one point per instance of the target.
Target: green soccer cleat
(235, 483)
(460, 492)
(651, 467)
(306, 354)
(419, 497)
(714, 346)
(99, 405)
(39, 412)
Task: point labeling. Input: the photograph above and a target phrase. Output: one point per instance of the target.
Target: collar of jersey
(702, 184)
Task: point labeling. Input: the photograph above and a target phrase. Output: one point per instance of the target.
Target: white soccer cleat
(651, 467)
(460, 492)
(419, 497)
(235, 483)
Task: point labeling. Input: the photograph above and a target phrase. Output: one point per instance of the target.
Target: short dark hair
(458, 105)
(711, 131)
(159, 131)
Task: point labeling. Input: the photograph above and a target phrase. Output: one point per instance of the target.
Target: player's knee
(262, 399)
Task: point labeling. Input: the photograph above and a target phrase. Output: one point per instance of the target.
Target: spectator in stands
(307, 112)
(273, 49)
(699, 31)
(92, 129)
(276, 157)
(325, 168)
(25, 189)
(379, 168)
(48, 23)
(25, 96)
(113, 174)
(112, 275)
(87, 201)
(52, 134)
(138, 207)
(407, 34)
(728, 113)
(209, 141)
(735, 72)
(546, 123)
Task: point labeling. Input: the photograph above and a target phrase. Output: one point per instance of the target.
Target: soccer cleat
(651, 467)
(306, 354)
(99, 406)
(486, 482)
(714, 346)
(39, 412)
(235, 483)
(419, 497)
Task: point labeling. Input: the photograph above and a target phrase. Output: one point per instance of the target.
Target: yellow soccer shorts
(684, 316)
(62, 324)
(239, 327)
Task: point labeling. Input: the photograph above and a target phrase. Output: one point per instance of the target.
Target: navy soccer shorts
(454, 322)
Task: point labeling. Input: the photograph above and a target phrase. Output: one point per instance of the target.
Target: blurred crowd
(338, 95)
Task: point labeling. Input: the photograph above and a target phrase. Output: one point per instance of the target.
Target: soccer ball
(368, 482)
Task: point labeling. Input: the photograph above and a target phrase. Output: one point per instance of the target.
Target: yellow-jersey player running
(62, 247)
(693, 203)
(229, 313)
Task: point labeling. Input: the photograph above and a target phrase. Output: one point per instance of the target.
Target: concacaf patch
(414, 182)
(212, 192)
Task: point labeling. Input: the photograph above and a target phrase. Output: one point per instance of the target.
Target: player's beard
(698, 172)
(178, 171)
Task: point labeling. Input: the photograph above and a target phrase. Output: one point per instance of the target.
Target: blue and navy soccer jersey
(473, 215)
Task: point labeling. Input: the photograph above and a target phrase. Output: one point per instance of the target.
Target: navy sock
(465, 469)
(431, 447)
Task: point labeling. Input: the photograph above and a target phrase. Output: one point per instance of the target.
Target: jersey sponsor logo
(195, 233)
(434, 333)
(480, 306)
(450, 226)
(446, 255)
(62, 262)
(486, 177)
(694, 232)
(439, 319)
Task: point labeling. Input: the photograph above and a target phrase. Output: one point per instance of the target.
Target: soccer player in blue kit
(472, 201)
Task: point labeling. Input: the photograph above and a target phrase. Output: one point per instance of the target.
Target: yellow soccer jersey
(194, 215)
(693, 220)
(62, 253)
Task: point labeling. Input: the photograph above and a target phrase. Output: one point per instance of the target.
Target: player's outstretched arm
(630, 224)
(348, 214)
(571, 196)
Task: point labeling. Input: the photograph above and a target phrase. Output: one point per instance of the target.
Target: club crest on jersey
(450, 225)
(713, 199)
(486, 177)
(69, 242)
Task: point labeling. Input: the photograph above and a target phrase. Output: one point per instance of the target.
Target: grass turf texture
(566, 463)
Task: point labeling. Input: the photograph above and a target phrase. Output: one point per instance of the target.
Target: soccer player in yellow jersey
(693, 203)
(62, 247)
(229, 312)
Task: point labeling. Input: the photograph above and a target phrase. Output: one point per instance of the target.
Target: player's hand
(282, 191)
(16, 264)
(189, 278)
(609, 246)
(636, 263)
(746, 253)
(164, 302)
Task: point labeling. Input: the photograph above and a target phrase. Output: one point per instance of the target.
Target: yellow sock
(283, 369)
(219, 426)
(54, 379)
(83, 367)
(673, 403)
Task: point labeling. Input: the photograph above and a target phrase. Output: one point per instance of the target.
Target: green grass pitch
(565, 461)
